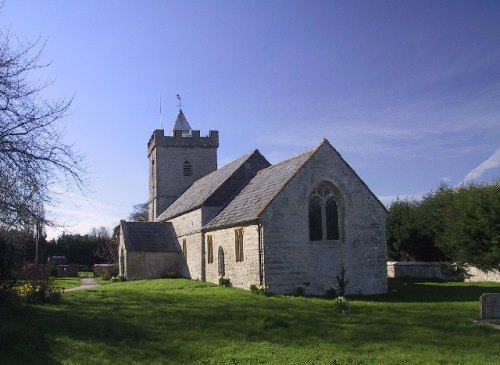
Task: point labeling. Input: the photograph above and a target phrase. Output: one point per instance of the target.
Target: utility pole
(37, 239)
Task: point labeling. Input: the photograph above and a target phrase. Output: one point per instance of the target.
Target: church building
(294, 223)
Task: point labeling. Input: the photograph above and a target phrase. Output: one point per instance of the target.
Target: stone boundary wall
(436, 270)
(477, 275)
(415, 269)
(106, 271)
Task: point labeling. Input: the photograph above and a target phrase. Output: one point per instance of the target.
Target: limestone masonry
(295, 223)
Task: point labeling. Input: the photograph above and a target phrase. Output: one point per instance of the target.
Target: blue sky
(407, 91)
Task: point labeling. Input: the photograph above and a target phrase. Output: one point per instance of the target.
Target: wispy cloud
(420, 128)
(491, 163)
(78, 214)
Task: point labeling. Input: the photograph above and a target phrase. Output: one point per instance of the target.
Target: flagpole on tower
(161, 122)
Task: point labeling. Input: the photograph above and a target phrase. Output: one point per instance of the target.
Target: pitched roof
(181, 123)
(205, 187)
(148, 237)
(259, 192)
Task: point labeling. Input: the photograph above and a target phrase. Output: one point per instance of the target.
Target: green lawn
(176, 321)
(66, 283)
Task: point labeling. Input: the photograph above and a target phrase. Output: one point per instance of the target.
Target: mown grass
(66, 283)
(176, 321)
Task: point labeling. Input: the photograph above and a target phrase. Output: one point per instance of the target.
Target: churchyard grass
(66, 283)
(177, 321)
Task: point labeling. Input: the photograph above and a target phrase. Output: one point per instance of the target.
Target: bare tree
(107, 249)
(33, 155)
(140, 213)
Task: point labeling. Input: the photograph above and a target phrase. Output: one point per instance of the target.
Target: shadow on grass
(188, 322)
(425, 290)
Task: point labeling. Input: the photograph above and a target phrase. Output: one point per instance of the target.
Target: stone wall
(106, 271)
(241, 274)
(150, 265)
(291, 259)
(188, 227)
(436, 270)
(416, 269)
(167, 155)
(477, 275)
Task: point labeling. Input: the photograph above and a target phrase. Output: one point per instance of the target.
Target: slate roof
(181, 123)
(204, 188)
(259, 192)
(149, 237)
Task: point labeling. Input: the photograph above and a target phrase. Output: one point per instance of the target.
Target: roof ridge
(295, 164)
(311, 151)
(223, 167)
(233, 165)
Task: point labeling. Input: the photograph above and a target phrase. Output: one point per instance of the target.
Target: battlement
(180, 139)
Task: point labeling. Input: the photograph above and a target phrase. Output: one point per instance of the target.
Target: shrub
(53, 294)
(331, 293)
(301, 289)
(117, 279)
(224, 281)
(341, 305)
(39, 291)
(259, 289)
(342, 281)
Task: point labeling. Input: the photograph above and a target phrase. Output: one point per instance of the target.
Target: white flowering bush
(259, 289)
(341, 305)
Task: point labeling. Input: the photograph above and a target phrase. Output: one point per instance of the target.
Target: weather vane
(180, 103)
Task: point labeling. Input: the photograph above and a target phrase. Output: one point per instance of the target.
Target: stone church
(293, 223)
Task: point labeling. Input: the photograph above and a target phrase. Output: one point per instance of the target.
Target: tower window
(187, 169)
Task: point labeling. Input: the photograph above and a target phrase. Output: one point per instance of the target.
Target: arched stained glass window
(325, 220)
(332, 219)
(315, 221)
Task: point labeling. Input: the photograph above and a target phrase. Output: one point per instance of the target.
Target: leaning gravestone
(490, 305)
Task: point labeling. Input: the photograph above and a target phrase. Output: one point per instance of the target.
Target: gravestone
(490, 305)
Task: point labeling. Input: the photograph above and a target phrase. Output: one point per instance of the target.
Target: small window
(153, 174)
(210, 249)
(187, 169)
(184, 249)
(222, 267)
(238, 244)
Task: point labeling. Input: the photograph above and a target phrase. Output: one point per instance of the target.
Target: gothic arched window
(187, 169)
(324, 213)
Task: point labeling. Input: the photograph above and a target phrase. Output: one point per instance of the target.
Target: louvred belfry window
(187, 169)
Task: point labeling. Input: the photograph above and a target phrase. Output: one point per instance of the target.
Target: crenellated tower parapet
(176, 161)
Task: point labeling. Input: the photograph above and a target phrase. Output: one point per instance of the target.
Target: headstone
(490, 305)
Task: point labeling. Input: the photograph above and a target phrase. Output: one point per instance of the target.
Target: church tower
(176, 161)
